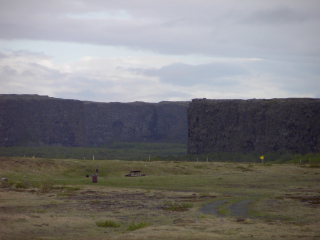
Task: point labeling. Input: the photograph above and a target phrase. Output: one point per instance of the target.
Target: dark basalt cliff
(210, 125)
(32, 120)
(136, 122)
(254, 125)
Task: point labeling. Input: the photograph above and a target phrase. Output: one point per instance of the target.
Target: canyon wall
(206, 125)
(254, 125)
(32, 120)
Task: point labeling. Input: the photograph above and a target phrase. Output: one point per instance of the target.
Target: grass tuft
(21, 220)
(68, 191)
(133, 226)
(47, 186)
(187, 205)
(314, 165)
(107, 223)
(39, 211)
(24, 184)
(224, 211)
(170, 206)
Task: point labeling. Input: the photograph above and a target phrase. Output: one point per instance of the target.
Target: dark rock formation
(27, 120)
(136, 122)
(254, 125)
(214, 125)
(32, 120)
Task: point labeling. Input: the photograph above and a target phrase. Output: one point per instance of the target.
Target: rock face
(136, 122)
(210, 125)
(254, 125)
(32, 120)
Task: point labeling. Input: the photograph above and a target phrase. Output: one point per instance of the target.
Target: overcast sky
(168, 50)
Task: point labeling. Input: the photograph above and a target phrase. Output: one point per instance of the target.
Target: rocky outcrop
(32, 120)
(254, 125)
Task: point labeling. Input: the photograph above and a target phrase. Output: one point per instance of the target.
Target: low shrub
(7, 184)
(134, 226)
(187, 205)
(46, 186)
(41, 210)
(177, 207)
(267, 164)
(107, 223)
(21, 220)
(23, 184)
(314, 165)
(244, 169)
(204, 194)
(200, 166)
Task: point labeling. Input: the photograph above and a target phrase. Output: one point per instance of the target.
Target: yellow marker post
(262, 157)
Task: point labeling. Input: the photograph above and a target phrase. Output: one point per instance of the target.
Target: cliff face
(41, 121)
(210, 126)
(32, 120)
(136, 122)
(254, 125)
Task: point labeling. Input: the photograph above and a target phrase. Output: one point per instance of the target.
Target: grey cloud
(279, 15)
(301, 70)
(217, 74)
(174, 94)
(80, 82)
(45, 71)
(88, 95)
(33, 69)
(27, 73)
(7, 71)
(204, 27)
(23, 53)
(3, 56)
(298, 87)
(296, 78)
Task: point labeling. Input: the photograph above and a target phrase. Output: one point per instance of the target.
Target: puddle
(238, 209)
(212, 208)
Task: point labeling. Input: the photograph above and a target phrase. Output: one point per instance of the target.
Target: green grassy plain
(123, 151)
(156, 152)
(53, 199)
